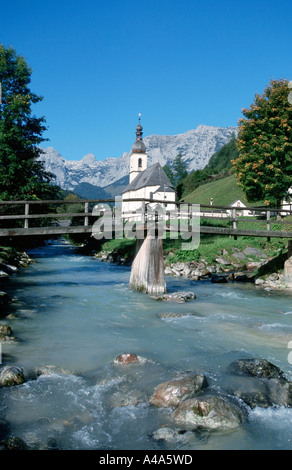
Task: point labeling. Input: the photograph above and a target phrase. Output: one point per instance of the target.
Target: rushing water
(78, 314)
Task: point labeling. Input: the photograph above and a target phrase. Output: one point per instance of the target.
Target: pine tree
(22, 175)
(179, 169)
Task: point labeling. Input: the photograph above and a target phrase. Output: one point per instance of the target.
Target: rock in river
(171, 393)
(11, 375)
(256, 368)
(258, 382)
(176, 297)
(209, 412)
(6, 333)
(128, 358)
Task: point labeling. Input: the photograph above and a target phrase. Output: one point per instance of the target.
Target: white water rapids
(78, 314)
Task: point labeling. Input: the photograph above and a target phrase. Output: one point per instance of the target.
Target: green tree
(264, 165)
(169, 173)
(179, 168)
(22, 175)
(220, 161)
(179, 172)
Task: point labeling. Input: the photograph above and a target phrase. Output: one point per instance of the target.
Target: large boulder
(6, 333)
(11, 375)
(171, 393)
(261, 392)
(256, 368)
(258, 382)
(209, 412)
(13, 443)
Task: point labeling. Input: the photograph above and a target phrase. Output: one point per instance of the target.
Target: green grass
(211, 246)
(223, 191)
(123, 247)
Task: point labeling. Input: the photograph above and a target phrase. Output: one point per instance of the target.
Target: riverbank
(11, 261)
(238, 261)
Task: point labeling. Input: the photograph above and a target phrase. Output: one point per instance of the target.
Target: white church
(146, 182)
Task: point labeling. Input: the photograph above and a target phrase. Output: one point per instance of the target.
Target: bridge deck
(185, 213)
(228, 231)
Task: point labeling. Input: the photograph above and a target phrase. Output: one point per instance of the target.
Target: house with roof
(146, 182)
(243, 210)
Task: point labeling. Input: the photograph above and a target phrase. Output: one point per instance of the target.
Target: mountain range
(89, 175)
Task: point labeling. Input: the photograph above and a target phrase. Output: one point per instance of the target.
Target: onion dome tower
(138, 157)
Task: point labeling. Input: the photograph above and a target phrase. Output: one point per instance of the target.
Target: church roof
(138, 147)
(154, 175)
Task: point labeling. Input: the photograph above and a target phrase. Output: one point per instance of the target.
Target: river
(77, 313)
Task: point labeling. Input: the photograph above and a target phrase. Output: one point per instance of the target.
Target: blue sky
(179, 63)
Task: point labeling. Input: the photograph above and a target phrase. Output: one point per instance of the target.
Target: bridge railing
(47, 213)
(27, 210)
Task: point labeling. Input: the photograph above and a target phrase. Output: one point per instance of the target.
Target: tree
(169, 173)
(220, 161)
(177, 173)
(22, 175)
(264, 165)
(179, 168)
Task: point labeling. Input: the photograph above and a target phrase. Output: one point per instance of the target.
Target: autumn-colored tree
(264, 164)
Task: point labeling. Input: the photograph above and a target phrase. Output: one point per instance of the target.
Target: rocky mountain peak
(196, 147)
(88, 159)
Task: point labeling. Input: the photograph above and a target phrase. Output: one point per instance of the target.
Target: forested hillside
(219, 166)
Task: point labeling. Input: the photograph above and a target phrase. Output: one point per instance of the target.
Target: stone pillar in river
(288, 263)
(147, 274)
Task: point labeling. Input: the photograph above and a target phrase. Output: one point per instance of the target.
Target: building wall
(149, 192)
(138, 163)
(240, 205)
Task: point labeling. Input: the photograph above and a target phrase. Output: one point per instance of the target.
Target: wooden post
(147, 273)
(145, 214)
(86, 217)
(190, 216)
(234, 222)
(269, 223)
(288, 264)
(26, 213)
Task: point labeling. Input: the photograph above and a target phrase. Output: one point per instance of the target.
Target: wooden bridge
(50, 218)
(104, 219)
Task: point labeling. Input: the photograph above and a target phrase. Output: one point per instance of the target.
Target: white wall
(134, 164)
(146, 193)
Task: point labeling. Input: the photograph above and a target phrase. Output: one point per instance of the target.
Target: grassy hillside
(224, 191)
(218, 167)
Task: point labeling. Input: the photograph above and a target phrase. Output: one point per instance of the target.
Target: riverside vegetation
(221, 258)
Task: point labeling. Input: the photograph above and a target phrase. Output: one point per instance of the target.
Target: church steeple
(138, 159)
(139, 130)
